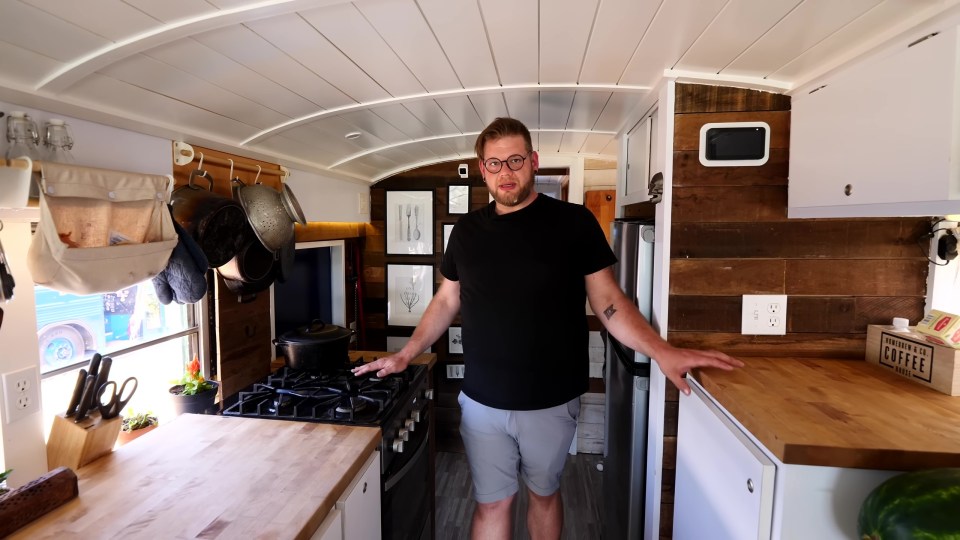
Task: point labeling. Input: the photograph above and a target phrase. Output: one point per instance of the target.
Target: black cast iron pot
(315, 347)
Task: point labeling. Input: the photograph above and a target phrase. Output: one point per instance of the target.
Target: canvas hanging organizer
(100, 230)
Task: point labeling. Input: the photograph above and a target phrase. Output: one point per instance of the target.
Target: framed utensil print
(458, 199)
(409, 222)
(447, 229)
(455, 340)
(409, 291)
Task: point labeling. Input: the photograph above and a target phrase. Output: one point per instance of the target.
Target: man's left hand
(675, 363)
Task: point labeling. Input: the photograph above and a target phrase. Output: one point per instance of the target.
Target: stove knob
(398, 446)
(415, 416)
(409, 424)
(428, 393)
(403, 435)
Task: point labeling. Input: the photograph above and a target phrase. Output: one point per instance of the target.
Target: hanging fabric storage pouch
(100, 230)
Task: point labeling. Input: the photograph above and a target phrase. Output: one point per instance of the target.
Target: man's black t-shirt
(523, 301)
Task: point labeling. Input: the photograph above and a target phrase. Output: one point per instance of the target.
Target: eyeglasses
(514, 163)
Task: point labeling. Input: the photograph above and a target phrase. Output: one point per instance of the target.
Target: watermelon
(917, 505)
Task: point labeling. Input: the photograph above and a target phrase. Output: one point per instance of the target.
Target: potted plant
(135, 425)
(3, 481)
(192, 393)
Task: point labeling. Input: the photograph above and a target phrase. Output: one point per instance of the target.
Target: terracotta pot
(126, 436)
(195, 404)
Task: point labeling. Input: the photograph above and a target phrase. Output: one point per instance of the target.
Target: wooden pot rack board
(839, 413)
(210, 476)
(218, 165)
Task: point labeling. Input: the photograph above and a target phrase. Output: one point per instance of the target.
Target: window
(146, 339)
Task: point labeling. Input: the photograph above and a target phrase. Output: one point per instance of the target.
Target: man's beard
(512, 199)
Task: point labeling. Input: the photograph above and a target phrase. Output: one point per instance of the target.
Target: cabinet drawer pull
(750, 485)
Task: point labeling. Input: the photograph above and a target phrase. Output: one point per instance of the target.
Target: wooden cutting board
(214, 477)
(839, 413)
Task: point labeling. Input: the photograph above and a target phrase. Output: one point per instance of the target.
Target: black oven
(398, 404)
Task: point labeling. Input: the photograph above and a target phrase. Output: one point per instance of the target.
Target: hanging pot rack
(183, 154)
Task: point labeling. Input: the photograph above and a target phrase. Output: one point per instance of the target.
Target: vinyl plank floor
(580, 488)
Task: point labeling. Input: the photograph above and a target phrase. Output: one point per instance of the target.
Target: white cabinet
(356, 515)
(360, 503)
(643, 159)
(724, 485)
(882, 137)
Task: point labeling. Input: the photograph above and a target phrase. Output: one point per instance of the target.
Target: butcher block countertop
(839, 413)
(204, 476)
(425, 359)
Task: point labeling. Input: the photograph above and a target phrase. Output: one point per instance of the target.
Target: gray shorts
(500, 444)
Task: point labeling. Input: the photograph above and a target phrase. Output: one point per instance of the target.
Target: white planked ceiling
(418, 79)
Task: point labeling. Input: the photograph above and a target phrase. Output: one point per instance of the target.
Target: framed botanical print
(458, 199)
(447, 230)
(409, 223)
(409, 291)
(455, 340)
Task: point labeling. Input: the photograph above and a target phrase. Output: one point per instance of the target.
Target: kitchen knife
(87, 400)
(94, 367)
(103, 373)
(77, 392)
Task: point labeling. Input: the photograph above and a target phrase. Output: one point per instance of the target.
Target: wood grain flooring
(580, 487)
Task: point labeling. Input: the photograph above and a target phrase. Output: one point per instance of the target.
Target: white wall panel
(524, 106)
(489, 106)
(328, 199)
(335, 127)
(459, 28)
(399, 117)
(43, 33)
(159, 77)
(313, 136)
(403, 27)
(549, 142)
(555, 108)
(803, 28)
(243, 45)
(617, 108)
(24, 67)
(564, 30)
(346, 28)
(513, 27)
(596, 142)
(620, 26)
(463, 145)
(111, 19)
(675, 27)
(408, 153)
(432, 116)
(442, 147)
(572, 142)
(286, 145)
(586, 109)
(295, 37)
(212, 66)
(366, 120)
(739, 24)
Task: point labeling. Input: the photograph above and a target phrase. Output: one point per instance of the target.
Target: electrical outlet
(764, 314)
(20, 394)
(455, 371)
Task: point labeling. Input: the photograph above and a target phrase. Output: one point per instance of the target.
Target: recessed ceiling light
(352, 135)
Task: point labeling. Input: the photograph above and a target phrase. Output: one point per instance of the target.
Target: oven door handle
(408, 465)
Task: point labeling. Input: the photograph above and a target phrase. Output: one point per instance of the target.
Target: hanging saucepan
(271, 213)
(253, 265)
(316, 346)
(214, 221)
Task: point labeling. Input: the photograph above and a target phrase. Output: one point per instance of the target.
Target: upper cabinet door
(638, 158)
(881, 138)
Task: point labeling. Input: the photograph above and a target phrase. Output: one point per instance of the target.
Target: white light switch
(764, 314)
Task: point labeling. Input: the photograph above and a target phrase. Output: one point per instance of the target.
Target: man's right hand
(384, 366)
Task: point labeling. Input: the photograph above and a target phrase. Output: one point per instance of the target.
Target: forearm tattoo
(609, 312)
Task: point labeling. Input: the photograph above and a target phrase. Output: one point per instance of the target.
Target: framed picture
(395, 343)
(409, 223)
(447, 229)
(458, 199)
(409, 291)
(455, 340)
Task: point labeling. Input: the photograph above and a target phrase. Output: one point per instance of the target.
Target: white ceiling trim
(755, 83)
(444, 94)
(453, 157)
(74, 72)
(452, 136)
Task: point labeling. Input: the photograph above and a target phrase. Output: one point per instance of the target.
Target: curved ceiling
(413, 80)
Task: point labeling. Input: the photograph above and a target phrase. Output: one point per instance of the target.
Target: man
(518, 271)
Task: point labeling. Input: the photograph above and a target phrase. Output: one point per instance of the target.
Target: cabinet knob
(364, 487)
(750, 485)
(848, 190)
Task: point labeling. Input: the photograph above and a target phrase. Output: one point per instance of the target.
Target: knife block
(74, 444)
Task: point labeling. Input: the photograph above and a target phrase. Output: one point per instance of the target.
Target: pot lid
(315, 332)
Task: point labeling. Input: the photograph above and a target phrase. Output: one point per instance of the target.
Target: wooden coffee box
(909, 355)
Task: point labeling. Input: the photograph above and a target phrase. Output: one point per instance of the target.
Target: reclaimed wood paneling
(706, 98)
(686, 127)
(687, 171)
(814, 345)
(729, 203)
(727, 276)
(878, 277)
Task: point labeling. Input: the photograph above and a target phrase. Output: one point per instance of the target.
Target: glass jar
(23, 136)
(57, 141)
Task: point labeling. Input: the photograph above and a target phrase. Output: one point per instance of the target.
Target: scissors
(118, 397)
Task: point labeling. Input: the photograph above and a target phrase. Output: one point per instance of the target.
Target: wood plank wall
(731, 236)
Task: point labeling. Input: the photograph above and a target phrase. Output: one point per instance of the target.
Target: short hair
(499, 128)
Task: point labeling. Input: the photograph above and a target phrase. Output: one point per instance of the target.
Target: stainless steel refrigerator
(627, 380)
